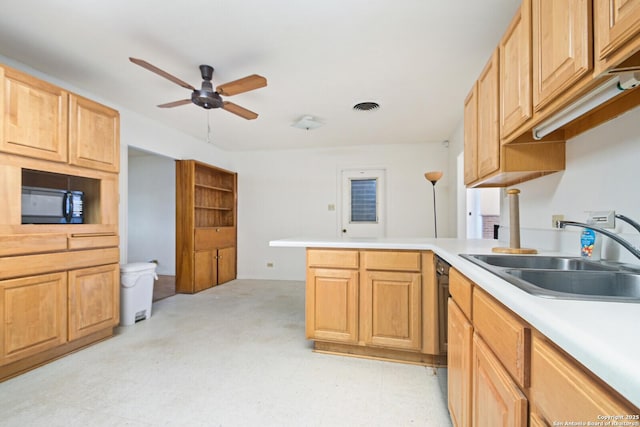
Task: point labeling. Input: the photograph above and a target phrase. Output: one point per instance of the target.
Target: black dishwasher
(442, 277)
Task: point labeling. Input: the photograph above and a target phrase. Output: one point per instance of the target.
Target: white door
(363, 202)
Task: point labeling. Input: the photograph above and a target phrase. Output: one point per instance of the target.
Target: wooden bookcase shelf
(205, 226)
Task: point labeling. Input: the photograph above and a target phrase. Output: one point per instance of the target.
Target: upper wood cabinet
(471, 136)
(617, 27)
(488, 127)
(42, 121)
(498, 164)
(562, 47)
(94, 131)
(515, 72)
(33, 117)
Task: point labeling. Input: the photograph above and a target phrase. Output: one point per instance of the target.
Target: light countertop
(603, 336)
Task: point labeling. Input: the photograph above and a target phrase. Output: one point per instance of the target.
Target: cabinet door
(515, 72)
(497, 400)
(460, 333)
(332, 305)
(616, 22)
(562, 52)
(33, 311)
(471, 136)
(205, 270)
(94, 300)
(94, 135)
(488, 121)
(561, 389)
(226, 265)
(391, 309)
(33, 117)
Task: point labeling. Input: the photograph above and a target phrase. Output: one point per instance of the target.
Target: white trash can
(136, 291)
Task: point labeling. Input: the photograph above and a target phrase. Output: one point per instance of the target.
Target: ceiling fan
(206, 97)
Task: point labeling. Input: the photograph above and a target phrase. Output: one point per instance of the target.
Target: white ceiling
(416, 58)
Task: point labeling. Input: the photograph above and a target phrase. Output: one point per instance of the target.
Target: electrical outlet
(331, 207)
(604, 219)
(555, 219)
(270, 265)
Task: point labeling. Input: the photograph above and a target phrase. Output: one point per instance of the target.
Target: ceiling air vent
(366, 106)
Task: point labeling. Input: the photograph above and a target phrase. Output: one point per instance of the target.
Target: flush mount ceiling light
(307, 123)
(366, 106)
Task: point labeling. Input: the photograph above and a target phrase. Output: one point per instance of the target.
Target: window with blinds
(364, 200)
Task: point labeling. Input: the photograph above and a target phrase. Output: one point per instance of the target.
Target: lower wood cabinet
(459, 352)
(497, 400)
(94, 302)
(332, 305)
(212, 268)
(502, 372)
(561, 390)
(33, 311)
(392, 309)
(373, 303)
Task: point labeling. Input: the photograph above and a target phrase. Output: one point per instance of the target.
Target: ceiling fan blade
(158, 71)
(175, 103)
(239, 111)
(244, 84)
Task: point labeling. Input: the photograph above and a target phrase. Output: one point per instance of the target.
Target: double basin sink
(564, 277)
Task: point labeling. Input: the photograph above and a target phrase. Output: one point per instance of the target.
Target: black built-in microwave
(52, 206)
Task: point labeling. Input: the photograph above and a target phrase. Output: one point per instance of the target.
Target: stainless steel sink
(564, 277)
(586, 283)
(542, 262)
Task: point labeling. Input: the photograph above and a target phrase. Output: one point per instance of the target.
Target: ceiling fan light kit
(307, 123)
(206, 97)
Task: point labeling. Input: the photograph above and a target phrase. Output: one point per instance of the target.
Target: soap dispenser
(590, 243)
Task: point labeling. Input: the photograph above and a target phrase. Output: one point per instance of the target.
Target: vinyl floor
(233, 355)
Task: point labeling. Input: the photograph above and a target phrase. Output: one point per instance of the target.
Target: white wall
(286, 193)
(601, 174)
(151, 211)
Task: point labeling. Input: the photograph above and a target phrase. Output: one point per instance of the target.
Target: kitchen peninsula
(599, 336)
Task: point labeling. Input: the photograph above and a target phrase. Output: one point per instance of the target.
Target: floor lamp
(433, 177)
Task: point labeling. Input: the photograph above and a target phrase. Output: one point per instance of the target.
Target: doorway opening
(151, 216)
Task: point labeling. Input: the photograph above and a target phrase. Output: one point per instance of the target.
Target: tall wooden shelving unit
(206, 226)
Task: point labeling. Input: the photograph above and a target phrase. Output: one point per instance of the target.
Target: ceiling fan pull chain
(209, 126)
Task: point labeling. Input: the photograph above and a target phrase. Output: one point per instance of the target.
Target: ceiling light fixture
(307, 123)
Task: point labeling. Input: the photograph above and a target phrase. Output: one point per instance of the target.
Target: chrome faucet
(613, 236)
(628, 221)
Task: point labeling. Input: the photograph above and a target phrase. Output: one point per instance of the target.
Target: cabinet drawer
(505, 333)
(214, 238)
(92, 240)
(460, 289)
(19, 244)
(332, 258)
(390, 261)
(561, 389)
